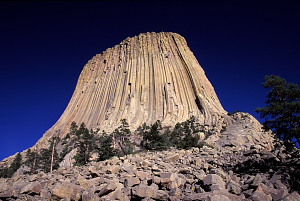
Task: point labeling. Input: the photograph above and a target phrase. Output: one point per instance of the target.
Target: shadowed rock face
(149, 77)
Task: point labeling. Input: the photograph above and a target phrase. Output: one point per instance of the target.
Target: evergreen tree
(73, 128)
(105, 148)
(45, 160)
(15, 165)
(85, 145)
(68, 142)
(31, 160)
(152, 137)
(183, 136)
(121, 138)
(49, 158)
(282, 110)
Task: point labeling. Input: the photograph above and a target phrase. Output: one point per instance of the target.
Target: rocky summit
(150, 77)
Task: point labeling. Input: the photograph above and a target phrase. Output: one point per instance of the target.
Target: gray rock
(257, 180)
(131, 181)
(110, 188)
(234, 187)
(67, 190)
(142, 175)
(32, 188)
(166, 177)
(173, 158)
(215, 180)
(294, 196)
(144, 191)
(260, 195)
(219, 197)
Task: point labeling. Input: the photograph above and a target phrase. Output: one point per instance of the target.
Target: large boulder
(214, 181)
(67, 190)
(145, 191)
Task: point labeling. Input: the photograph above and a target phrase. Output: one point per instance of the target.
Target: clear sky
(44, 46)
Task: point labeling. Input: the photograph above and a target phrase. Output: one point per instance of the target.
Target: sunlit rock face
(149, 77)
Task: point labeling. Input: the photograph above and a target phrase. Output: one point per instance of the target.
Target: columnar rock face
(149, 77)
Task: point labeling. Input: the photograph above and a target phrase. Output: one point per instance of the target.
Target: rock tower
(149, 77)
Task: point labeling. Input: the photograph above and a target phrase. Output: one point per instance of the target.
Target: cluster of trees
(104, 146)
(45, 160)
(183, 135)
(91, 146)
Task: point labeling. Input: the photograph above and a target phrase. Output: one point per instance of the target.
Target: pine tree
(31, 160)
(85, 145)
(49, 159)
(105, 148)
(16, 164)
(45, 160)
(121, 138)
(68, 142)
(282, 110)
(152, 137)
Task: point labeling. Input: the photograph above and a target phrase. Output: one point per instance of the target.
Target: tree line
(90, 146)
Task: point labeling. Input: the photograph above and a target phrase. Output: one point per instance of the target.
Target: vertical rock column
(145, 78)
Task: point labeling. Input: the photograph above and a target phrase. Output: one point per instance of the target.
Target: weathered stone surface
(259, 195)
(234, 187)
(257, 180)
(219, 197)
(32, 188)
(215, 181)
(144, 191)
(173, 158)
(67, 190)
(3, 185)
(142, 175)
(131, 181)
(166, 177)
(110, 188)
(294, 196)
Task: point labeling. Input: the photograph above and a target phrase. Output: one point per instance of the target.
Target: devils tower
(149, 77)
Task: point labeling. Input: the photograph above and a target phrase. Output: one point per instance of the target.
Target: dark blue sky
(44, 46)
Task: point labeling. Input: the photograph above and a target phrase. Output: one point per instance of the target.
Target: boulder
(67, 190)
(173, 158)
(110, 188)
(166, 177)
(215, 181)
(234, 187)
(32, 188)
(144, 191)
(257, 180)
(219, 197)
(94, 172)
(131, 181)
(112, 169)
(117, 194)
(89, 195)
(294, 196)
(259, 195)
(142, 175)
